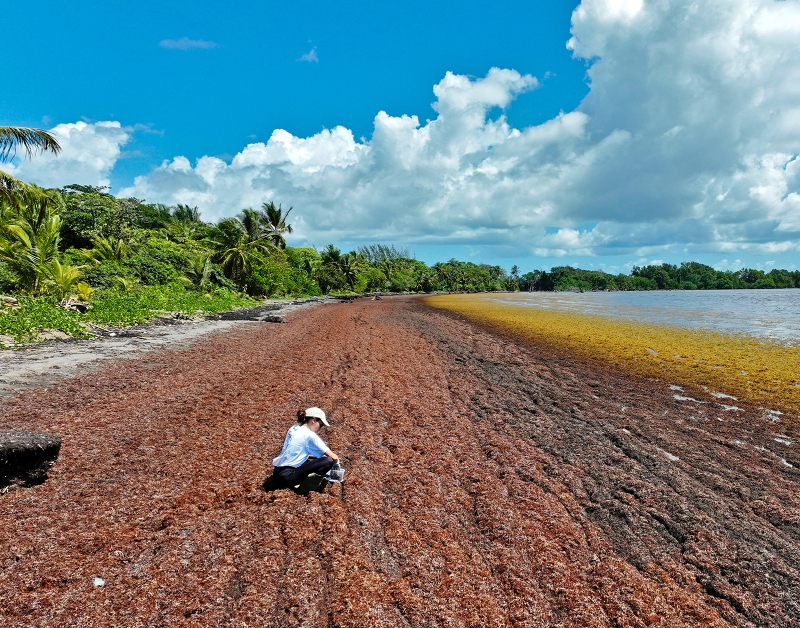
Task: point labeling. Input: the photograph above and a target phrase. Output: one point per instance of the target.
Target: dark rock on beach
(26, 456)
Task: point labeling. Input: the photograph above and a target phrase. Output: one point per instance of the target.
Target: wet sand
(490, 482)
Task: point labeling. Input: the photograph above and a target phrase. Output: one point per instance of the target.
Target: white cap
(317, 413)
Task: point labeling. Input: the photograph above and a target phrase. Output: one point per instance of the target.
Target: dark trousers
(286, 477)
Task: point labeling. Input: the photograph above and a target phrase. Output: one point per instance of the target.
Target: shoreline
(46, 362)
(734, 367)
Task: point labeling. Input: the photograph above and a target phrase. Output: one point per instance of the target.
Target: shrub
(8, 279)
(105, 275)
(39, 312)
(266, 276)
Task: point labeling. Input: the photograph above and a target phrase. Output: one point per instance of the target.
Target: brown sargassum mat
(489, 483)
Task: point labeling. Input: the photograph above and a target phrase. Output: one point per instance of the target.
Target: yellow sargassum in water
(736, 365)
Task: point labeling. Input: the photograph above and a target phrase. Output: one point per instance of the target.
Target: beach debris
(787, 464)
(671, 457)
(773, 415)
(9, 302)
(653, 351)
(98, 581)
(74, 305)
(25, 457)
(682, 398)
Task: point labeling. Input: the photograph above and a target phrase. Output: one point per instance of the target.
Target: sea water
(769, 314)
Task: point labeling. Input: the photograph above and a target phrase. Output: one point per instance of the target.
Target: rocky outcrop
(25, 457)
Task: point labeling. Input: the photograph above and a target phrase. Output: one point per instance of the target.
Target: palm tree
(108, 249)
(235, 241)
(252, 222)
(30, 248)
(32, 140)
(274, 221)
(347, 266)
(330, 255)
(351, 265)
(62, 278)
(185, 214)
(199, 270)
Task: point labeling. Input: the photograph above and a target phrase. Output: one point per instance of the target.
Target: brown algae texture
(491, 482)
(733, 365)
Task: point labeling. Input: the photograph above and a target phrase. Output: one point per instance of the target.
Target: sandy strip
(490, 482)
(44, 363)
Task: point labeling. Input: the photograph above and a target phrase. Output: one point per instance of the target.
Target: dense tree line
(686, 276)
(81, 239)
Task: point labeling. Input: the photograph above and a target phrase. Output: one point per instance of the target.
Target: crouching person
(305, 458)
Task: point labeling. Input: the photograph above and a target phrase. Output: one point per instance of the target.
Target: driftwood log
(25, 457)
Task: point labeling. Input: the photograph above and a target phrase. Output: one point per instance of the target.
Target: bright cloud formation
(88, 154)
(688, 140)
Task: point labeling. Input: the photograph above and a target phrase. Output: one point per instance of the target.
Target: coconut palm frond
(61, 278)
(109, 249)
(28, 200)
(32, 140)
(29, 249)
(12, 189)
(199, 270)
(274, 223)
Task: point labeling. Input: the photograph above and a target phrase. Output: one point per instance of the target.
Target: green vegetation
(687, 276)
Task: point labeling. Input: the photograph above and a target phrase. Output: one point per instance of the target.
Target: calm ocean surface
(772, 314)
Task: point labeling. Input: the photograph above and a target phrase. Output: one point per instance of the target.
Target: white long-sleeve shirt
(299, 444)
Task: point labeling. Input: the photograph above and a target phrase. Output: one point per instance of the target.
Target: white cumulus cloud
(89, 153)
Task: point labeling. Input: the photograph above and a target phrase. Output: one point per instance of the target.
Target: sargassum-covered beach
(495, 477)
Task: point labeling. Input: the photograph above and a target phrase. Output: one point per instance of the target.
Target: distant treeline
(687, 276)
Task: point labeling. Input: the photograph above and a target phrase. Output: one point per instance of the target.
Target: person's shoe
(269, 485)
(312, 482)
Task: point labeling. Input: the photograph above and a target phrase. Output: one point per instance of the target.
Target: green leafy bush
(114, 307)
(267, 275)
(105, 275)
(8, 279)
(34, 313)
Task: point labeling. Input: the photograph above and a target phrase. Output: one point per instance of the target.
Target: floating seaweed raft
(491, 482)
(734, 365)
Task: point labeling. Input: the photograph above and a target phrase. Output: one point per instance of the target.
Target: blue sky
(663, 132)
(103, 61)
